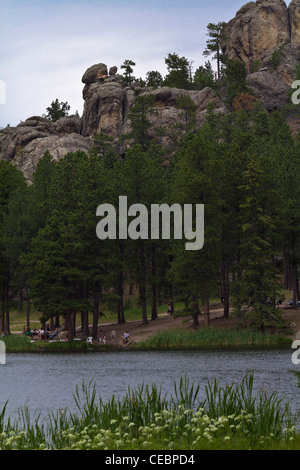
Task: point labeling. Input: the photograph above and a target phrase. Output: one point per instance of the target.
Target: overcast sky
(46, 46)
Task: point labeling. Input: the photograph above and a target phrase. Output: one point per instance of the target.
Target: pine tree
(215, 32)
(258, 287)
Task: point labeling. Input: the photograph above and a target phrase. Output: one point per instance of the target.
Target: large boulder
(26, 143)
(294, 16)
(57, 145)
(257, 27)
(94, 73)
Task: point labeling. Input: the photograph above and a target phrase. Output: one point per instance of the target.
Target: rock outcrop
(257, 27)
(26, 143)
(265, 35)
(260, 31)
(107, 101)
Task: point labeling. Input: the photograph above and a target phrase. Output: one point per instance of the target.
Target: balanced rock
(113, 70)
(95, 73)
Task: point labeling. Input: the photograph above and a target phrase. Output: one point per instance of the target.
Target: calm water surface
(48, 381)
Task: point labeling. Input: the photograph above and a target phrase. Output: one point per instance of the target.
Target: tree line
(244, 167)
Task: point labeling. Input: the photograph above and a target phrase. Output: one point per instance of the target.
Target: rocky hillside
(258, 30)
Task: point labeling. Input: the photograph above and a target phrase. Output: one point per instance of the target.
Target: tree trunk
(6, 303)
(69, 324)
(143, 284)
(85, 322)
(74, 323)
(52, 328)
(154, 288)
(225, 287)
(85, 315)
(2, 312)
(195, 316)
(96, 310)
(171, 300)
(206, 309)
(95, 318)
(121, 316)
(130, 283)
(288, 277)
(28, 312)
(21, 309)
(295, 285)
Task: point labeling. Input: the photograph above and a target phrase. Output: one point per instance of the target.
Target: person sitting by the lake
(24, 331)
(54, 334)
(101, 337)
(47, 331)
(28, 332)
(41, 334)
(34, 332)
(125, 337)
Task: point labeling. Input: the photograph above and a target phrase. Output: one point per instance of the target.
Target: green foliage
(178, 72)
(254, 66)
(57, 110)
(204, 77)
(139, 119)
(235, 74)
(229, 417)
(128, 71)
(211, 337)
(215, 32)
(154, 79)
(276, 58)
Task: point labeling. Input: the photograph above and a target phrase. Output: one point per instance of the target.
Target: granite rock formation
(259, 31)
(107, 101)
(257, 27)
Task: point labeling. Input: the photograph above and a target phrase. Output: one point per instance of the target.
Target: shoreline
(140, 333)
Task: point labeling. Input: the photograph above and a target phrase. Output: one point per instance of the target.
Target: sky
(47, 45)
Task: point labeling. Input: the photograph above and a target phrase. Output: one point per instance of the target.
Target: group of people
(42, 333)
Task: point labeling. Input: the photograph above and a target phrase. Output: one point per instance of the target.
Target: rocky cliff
(107, 101)
(258, 30)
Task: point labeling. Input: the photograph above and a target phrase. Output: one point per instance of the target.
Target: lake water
(47, 381)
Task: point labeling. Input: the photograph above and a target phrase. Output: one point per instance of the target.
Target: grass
(16, 343)
(211, 337)
(229, 417)
(132, 313)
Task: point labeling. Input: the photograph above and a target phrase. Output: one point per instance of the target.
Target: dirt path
(139, 332)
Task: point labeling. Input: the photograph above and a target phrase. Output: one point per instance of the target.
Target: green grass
(229, 417)
(132, 313)
(211, 337)
(17, 343)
